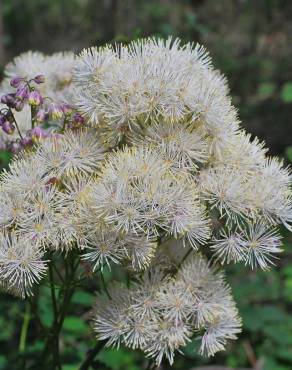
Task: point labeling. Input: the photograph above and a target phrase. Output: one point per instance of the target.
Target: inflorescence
(133, 155)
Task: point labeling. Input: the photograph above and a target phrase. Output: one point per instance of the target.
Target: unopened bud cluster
(134, 157)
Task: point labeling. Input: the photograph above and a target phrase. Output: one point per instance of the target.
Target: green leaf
(272, 314)
(75, 325)
(6, 328)
(266, 89)
(118, 359)
(284, 353)
(45, 306)
(271, 364)
(279, 334)
(286, 92)
(69, 367)
(289, 156)
(192, 348)
(3, 361)
(36, 346)
(5, 157)
(288, 289)
(83, 298)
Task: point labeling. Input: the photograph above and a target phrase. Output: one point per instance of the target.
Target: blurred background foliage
(251, 42)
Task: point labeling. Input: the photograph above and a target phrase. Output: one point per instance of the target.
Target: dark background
(251, 42)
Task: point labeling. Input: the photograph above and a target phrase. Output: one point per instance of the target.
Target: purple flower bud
(26, 141)
(41, 115)
(8, 127)
(52, 181)
(22, 92)
(8, 99)
(66, 108)
(4, 98)
(38, 133)
(16, 81)
(2, 118)
(35, 98)
(39, 79)
(78, 119)
(19, 106)
(14, 147)
(55, 111)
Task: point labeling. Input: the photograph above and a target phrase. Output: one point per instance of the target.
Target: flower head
(21, 264)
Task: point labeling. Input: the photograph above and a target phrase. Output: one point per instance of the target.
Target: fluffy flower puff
(158, 313)
(257, 245)
(227, 247)
(270, 192)
(33, 205)
(261, 245)
(106, 246)
(137, 194)
(21, 264)
(242, 154)
(71, 154)
(226, 190)
(181, 146)
(151, 80)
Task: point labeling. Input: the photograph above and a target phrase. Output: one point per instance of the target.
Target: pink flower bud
(38, 133)
(39, 79)
(52, 182)
(35, 98)
(78, 119)
(55, 111)
(19, 106)
(26, 141)
(8, 127)
(41, 115)
(66, 108)
(14, 147)
(16, 81)
(2, 118)
(22, 92)
(8, 99)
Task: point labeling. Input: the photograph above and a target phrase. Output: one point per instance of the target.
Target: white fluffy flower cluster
(160, 312)
(160, 169)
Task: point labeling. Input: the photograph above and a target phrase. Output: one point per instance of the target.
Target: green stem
(67, 288)
(55, 338)
(34, 310)
(58, 273)
(151, 365)
(184, 257)
(91, 354)
(24, 329)
(104, 285)
(32, 110)
(53, 294)
(64, 125)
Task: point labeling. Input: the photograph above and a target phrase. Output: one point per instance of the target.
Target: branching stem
(67, 288)
(24, 329)
(92, 353)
